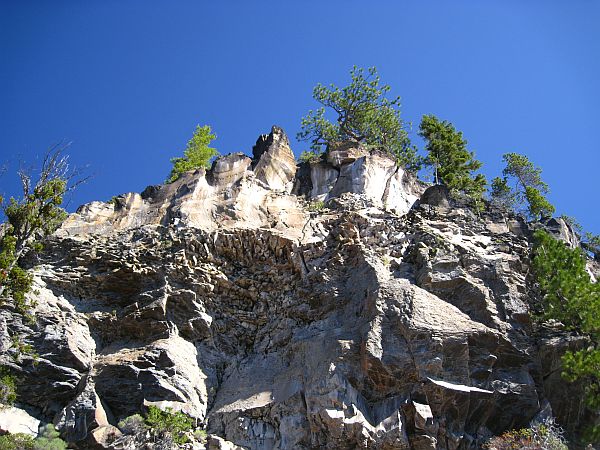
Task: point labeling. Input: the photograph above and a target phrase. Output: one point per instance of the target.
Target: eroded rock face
(377, 322)
(373, 174)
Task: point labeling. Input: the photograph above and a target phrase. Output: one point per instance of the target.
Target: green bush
(173, 423)
(316, 206)
(312, 156)
(49, 440)
(452, 163)
(18, 441)
(8, 387)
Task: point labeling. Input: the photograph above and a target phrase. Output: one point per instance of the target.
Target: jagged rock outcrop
(390, 319)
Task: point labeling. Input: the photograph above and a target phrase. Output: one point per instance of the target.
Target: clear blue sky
(127, 81)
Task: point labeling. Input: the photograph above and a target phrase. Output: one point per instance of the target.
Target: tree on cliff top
(529, 188)
(453, 164)
(364, 115)
(196, 154)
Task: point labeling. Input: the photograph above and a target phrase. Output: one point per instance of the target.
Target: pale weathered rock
(16, 420)
(343, 153)
(387, 319)
(103, 437)
(274, 163)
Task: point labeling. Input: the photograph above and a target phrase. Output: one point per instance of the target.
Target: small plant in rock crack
(316, 206)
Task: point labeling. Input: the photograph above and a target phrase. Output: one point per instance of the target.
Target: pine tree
(453, 164)
(364, 115)
(570, 297)
(197, 153)
(529, 188)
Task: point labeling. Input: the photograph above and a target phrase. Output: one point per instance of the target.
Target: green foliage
(310, 156)
(8, 387)
(49, 440)
(197, 153)
(200, 435)
(28, 221)
(316, 206)
(529, 188)
(173, 423)
(501, 193)
(541, 436)
(17, 441)
(453, 164)
(364, 115)
(572, 298)
(539, 206)
(132, 425)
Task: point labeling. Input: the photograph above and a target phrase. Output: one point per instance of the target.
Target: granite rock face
(379, 321)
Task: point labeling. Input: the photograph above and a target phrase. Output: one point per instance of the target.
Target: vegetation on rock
(161, 426)
(29, 220)
(541, 436)
(8, 387)
(47, 440)
(570, 296)
(363, 114)
(453, 164)
(529, 188)
(197, 153)
(174, 423)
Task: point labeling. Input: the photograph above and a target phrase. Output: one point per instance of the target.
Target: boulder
(344, 153)
(436, 195)
(16, 420)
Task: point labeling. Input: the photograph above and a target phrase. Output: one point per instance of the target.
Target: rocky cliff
(341, 304)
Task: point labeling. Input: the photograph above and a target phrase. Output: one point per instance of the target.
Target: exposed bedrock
(391, 318)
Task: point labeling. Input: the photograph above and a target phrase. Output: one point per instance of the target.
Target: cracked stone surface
(392, 318)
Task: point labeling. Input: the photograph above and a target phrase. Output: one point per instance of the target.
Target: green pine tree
(452, 163)
(364, 114)
(570, 296)
(197, 154)
(529, 188)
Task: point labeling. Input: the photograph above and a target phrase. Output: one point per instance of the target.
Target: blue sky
(127, 81)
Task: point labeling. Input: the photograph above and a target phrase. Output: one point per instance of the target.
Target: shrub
(541, 436)
(169, 423)
(8, 387)
(311, 156)
(316, 206)
(49, 440)
(18, 441)
(200, 435)
(133, 425)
